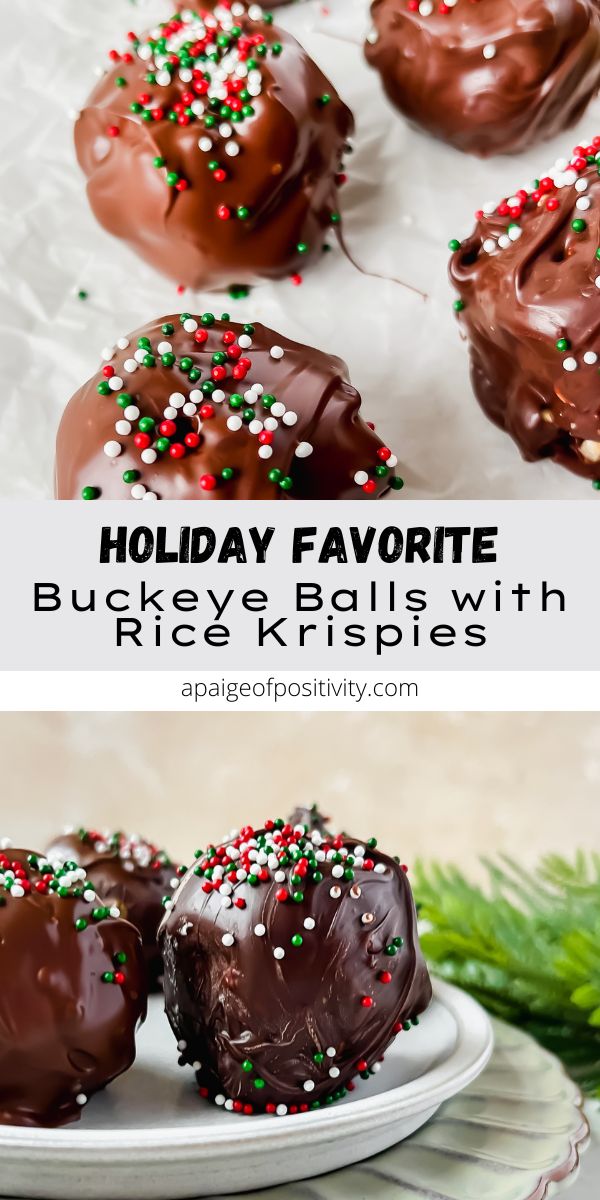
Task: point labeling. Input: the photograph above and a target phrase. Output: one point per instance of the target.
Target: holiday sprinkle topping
(253, 412)
(292, 858)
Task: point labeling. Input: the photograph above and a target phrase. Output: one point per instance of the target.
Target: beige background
(431, 785)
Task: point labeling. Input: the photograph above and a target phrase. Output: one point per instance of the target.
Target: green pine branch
(527, 946)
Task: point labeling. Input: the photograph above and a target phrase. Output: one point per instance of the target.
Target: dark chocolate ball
(291, 963)
(127, 871)
(193, 408)
(73, 991)
(490, 77)
(213, 146)
(528, 284)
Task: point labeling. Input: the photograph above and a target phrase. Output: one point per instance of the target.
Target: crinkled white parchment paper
(406, 196)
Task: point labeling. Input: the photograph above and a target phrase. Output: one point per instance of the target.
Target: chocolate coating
(531, 313)
(283, 991)
(317, 445)
(491, 77)
(65, 1032)
(129, 872)
(268, 216)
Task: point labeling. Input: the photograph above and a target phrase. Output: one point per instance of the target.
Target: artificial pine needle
(526, 945)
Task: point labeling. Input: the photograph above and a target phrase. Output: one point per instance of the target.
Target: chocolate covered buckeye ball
(73, 991)
(291, 963)
(528, 284)
(195, 408)
(128, 872)
(487, 76)
(213, 146)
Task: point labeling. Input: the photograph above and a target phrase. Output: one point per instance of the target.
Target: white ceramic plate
(150, 1136)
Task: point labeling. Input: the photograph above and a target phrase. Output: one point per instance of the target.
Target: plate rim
(471, 1053)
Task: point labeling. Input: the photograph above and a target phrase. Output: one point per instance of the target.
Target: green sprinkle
(130, 476)
(454, 245)
(458, 305)
(90, 493)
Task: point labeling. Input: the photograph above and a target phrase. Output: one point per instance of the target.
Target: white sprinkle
(379, 868)
(81, 1099)
(334, 1072)
(426, 8)
(122, 343)
(582, 203)
(112, 449)
(277, 409)
(279, 877)
(489, 245)
(244, 342)
(581, 185)
(205, 144)
(122, 428)
(303, 450)
(590, 357)
(220, 1100)
(260, 930)
(189, 409)
(271, 424)
(130, 365)
(182, 1045)
(330, 1051)
(514, 232)
(234, 423)
(169, 413)
(489, 50)
(163, 78)
(229, 1105)
(597, 281)
(107, 353)
(335, 892)
(308, 1085)
(190, 325)
(196, 1065)
(138, 491)
(276, 352)
(309, 922)
(115, 912)
(361, 477)
(289, 418)
(89, 896)
(177, 399)
(569, 364)
(337, 871)
(217, 396)
(17, 891)
(279, 952)
(153, 496)
(232, 149)
(164, 347)
(281, 1110)
(255, 427)
(228, 939)
(140, 355)
(265, 451)
(367, 918)
(149, 456)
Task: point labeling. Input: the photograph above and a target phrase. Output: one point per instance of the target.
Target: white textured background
(436, 785)
(406, 197)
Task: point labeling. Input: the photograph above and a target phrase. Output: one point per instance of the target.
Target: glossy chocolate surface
(528, 282)
(251, 416)
(488, 76)
(259, 190)
(73, 992)
(281, 991)
(129, 872)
